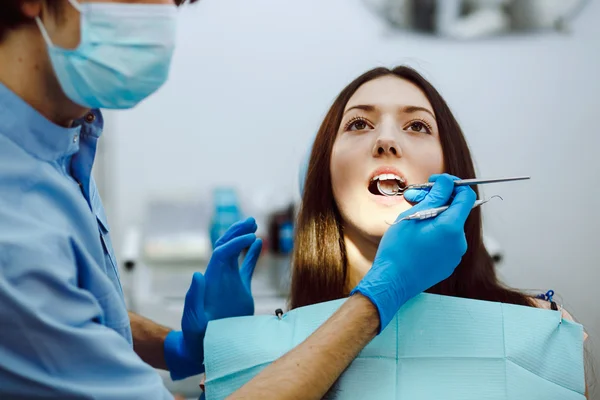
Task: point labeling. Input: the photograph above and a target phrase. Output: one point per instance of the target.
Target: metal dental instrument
(462, 182)
(433, 212)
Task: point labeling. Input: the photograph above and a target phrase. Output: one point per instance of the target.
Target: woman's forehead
(389, 92)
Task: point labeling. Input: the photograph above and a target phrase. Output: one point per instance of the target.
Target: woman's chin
(376, 231)
(377, 225)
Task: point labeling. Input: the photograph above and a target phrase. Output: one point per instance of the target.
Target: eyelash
(427, 125)
(356, 119)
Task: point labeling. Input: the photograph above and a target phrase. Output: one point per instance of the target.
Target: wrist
(367, 308)
(386, 308)
(180, 363)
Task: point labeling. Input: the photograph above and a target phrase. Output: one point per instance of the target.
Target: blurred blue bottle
(285, 247)
(286, 238)
(226, 212)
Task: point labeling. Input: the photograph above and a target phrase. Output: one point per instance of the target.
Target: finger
(234, 247)
(438, 196)
(195, 294)
(415, 195)
(460, 208)
(243, 227)
(250, 263)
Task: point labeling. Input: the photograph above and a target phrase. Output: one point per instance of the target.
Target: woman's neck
(360, 253)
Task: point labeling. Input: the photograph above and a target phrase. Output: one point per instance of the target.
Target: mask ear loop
(42, 28)
(76, 5)
(45, 35)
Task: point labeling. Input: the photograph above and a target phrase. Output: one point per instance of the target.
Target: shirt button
(75, 139)
(90, 117)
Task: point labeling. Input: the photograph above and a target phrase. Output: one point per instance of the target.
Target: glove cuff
(178, 360)
(385, 316)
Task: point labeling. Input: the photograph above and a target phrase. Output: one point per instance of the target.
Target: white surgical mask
(123, 57)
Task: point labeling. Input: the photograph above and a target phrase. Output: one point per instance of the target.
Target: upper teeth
(385, 177)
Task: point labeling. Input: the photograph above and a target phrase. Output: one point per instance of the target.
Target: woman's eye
(358, 125)
(417, 126)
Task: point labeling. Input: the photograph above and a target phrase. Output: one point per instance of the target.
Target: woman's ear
(31, 8)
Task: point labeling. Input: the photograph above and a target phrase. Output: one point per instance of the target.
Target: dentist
(64, 329)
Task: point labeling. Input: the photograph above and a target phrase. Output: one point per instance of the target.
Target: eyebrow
(405, 109)
(361, 107)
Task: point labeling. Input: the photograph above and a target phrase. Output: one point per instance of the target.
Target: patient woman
(389, 126)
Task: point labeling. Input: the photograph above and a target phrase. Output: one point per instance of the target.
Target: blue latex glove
(415, 195)
(224, 291)
(414, 255)
(228, 293)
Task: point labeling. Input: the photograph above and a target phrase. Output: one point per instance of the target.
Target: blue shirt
(64, 328)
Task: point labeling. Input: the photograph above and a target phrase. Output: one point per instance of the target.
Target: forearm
(310, 369)
(148, 340)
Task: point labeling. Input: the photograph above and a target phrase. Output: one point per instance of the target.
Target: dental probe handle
(434, 212)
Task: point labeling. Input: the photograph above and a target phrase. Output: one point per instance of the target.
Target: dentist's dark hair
(319, 265)
(11, 16)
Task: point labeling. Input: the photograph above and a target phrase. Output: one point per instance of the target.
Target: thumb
(415, 195)
(249, 264)
(194, 298)
(194, 319)
(439, 195)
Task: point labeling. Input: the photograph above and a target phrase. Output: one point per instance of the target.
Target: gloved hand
(228, 292)
(224, 291)
(415, 195)
(414, 255)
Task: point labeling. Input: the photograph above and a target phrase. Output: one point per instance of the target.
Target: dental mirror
(388, 190)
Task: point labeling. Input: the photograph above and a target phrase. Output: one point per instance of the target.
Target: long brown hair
(319, 265)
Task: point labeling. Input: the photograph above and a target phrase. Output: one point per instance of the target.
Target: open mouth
(390, 183)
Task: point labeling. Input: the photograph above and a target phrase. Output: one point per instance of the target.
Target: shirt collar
(40, 137)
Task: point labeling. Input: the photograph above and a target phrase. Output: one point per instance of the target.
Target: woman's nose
(387, 147)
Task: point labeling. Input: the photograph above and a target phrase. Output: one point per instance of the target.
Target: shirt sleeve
(52, 342)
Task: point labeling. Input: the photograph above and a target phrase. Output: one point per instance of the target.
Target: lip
(387, 200)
